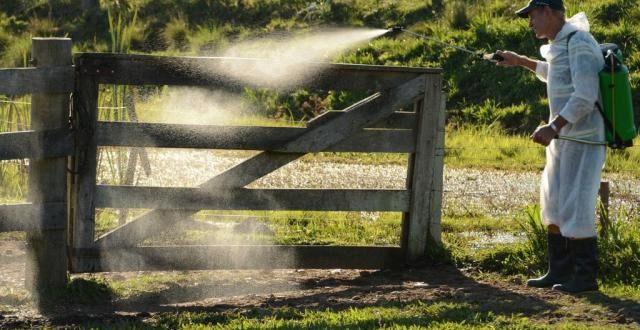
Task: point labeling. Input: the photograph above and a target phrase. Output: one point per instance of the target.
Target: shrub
(176, 34)
(17, 53)
(5, 39)
(43, 27)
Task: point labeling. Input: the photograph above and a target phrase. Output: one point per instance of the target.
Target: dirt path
(259, 292)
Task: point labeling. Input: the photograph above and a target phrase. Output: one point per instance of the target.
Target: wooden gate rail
(121, 69)
(394, 137)
(58, 200)
(316, 138)
(371, 125)
(195, 199)
(242, 257)
(47, 80)
(36, 144)
(26, 216)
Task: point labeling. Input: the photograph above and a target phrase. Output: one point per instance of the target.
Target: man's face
(539, 22)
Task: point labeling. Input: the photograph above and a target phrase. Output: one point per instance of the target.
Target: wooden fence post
(423, 218)
(47, 262)
(85, 165)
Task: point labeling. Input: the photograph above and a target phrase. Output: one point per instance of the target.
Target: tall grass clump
(536, 234)
(619, 248)
(115, 100)
(176, 34)
(14, 116)
(122, 27)
(458, 16)
(17, 52)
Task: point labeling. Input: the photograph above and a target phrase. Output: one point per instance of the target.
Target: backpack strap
(569, 37)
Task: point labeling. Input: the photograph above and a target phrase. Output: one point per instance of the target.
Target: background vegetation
(509, 98)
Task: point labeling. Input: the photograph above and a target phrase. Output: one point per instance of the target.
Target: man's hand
(510, 58)
(543, 135)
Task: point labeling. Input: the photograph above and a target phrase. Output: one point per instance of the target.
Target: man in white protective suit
(571, 177)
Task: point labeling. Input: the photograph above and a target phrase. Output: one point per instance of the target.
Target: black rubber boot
(560, 263)
(585, 254)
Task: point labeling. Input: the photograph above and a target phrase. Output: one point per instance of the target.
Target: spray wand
(489, 57)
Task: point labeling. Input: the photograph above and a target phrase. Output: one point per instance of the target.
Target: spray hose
(567, 138)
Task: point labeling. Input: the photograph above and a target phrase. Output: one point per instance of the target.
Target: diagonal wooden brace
(317, 138)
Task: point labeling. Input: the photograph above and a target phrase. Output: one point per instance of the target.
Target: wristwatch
(553, 126)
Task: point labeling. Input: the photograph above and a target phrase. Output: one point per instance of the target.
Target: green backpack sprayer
(617, 105)
(615, 89)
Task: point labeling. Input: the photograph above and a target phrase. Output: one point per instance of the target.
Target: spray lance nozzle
(394, 30)
(493, 57)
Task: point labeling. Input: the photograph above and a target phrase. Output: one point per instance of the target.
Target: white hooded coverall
(571, 177)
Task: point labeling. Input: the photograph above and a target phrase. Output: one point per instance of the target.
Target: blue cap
(554, 4)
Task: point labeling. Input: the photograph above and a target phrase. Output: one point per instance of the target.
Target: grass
(413, 315)
(631, 292)
(401, 316)
(14, 116)
(285, 227)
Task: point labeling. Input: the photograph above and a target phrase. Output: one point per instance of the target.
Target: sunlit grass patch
(287, 228)
(13, 236)
(619, 291)
(481, 223)
(439, 315)
(487, 147)
(410, 315)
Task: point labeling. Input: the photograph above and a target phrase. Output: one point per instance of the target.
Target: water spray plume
(286, 60)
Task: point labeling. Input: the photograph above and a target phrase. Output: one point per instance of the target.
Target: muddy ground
(257, 292)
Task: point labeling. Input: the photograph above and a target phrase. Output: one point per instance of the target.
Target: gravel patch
(493, 193)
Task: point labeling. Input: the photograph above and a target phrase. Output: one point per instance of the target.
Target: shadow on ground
(89, 303)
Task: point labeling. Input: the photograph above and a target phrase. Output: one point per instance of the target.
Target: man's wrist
(554, 127)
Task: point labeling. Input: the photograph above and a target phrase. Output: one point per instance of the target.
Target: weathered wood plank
(120, 134)
(252, 199)
(356, 117)
(25, 217)
(240, 257)
(397, 120)
(84, 164)
(424, 170)
(36, 144)
(435, 221)
(45, 80)
(406, 216)
(210, 71)
(17, 217)
(47, 262)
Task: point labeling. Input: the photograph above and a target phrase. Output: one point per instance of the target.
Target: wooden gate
(373, 124)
